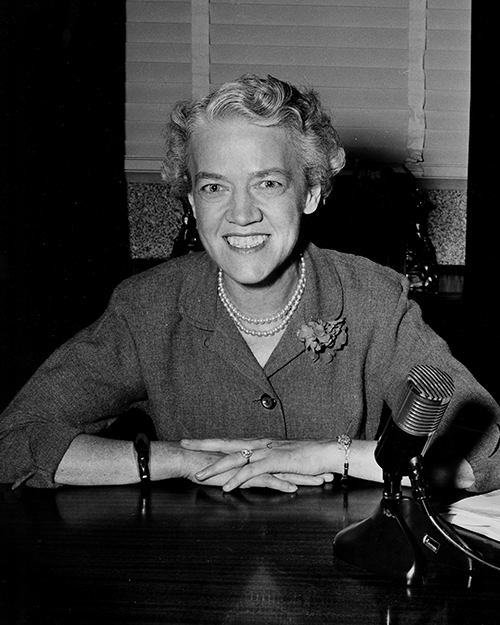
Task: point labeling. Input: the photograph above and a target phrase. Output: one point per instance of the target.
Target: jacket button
(267, 401)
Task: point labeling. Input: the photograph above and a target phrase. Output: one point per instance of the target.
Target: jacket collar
(324, 296)
(198, 296)
(323, 299)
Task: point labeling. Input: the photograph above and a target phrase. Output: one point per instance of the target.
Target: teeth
(247, 242)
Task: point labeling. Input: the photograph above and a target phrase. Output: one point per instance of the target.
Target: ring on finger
(247, 454)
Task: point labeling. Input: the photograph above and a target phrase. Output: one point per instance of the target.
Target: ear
(191, 202)
(313, 197)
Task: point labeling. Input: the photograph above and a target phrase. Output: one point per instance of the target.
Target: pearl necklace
(285, 314)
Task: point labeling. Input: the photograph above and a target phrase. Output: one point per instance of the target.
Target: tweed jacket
(166, 344)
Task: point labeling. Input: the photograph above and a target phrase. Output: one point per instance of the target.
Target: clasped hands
(278, 464)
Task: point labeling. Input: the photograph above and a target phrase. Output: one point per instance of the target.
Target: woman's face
(248, 197)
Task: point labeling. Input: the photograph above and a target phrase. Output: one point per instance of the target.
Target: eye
(270, 184)
(270, 187)
(212, 192)
(211, 188)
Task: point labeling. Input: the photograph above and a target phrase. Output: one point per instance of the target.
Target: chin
(250, 267)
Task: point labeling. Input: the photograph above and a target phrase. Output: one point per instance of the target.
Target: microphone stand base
(398, 541)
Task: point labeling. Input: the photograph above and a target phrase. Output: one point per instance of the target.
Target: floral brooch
(323, 339)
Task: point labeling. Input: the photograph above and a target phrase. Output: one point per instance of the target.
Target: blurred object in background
(420, 259)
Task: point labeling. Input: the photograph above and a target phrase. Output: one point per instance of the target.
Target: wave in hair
(264, 102)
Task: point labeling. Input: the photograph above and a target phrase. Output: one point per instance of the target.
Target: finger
(301, 480)
(261, 465)
(328, 477)
(217, 480)
(265, 480)
(249, 472)
(228, 462)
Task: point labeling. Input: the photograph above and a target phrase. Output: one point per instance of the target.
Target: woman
(217, 346)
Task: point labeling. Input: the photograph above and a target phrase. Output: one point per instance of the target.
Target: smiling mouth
(247, 242)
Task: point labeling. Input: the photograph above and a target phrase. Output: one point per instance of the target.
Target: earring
(187, 240)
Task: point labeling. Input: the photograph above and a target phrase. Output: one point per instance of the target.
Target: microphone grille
(429, 393)
(431, 383)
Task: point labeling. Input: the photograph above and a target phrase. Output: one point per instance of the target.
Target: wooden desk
(194, 555)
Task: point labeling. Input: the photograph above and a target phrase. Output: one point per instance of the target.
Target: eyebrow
(274, 170)
(263, 173)
(202, 175)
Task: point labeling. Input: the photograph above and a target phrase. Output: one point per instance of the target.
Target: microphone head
(408, 433)
(429, 391)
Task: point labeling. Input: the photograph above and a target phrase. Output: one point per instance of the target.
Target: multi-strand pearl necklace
(285, 314)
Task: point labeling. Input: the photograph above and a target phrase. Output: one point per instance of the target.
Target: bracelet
(142, 448)
(344, 442)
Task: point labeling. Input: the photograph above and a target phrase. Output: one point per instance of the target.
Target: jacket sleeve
(470, 427)
(80, 389)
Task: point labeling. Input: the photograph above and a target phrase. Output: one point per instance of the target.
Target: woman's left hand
(299, 461)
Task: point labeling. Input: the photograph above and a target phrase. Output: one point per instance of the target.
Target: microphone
(403, 534)
(408, 434)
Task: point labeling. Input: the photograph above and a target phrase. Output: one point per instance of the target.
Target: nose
(243, 210)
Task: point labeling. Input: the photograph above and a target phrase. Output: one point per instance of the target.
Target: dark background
(63, 228)
(481, 329)
(63, 214)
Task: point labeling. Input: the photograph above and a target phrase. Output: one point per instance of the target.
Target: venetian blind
(158, 74)
(447, 89)
(394, 73)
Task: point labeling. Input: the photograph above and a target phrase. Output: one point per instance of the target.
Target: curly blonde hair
(264, 102)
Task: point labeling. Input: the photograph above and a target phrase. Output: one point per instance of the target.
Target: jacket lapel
(200, 305)
(323, 299)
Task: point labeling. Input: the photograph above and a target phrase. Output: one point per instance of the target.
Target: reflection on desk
(191, 554)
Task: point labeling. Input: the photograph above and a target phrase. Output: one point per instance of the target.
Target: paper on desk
(479, 514)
